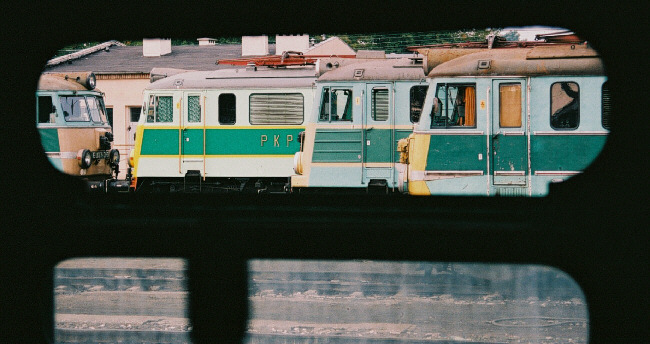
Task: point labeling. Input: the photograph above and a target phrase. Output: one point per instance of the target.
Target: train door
(378, 134)
(509, 139)
(192, 145)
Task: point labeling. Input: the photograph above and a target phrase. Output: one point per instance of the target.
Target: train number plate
(100, 155)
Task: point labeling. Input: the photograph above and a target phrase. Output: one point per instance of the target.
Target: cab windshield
(83, 109)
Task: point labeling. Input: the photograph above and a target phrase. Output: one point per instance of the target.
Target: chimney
(156, 47)
(254, 45)
(299, 43)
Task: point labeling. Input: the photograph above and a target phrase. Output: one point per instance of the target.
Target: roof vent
(358, 73)
(483, 64)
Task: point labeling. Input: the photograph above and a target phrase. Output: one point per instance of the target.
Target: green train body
(223, 130)
(361, 111)
(507, 122)
(75, 135)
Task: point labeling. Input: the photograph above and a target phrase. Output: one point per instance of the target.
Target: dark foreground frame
(592, 227)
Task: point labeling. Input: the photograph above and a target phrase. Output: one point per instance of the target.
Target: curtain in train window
(161, 109)
(194, 109)
(276, 108)
(380, 104)
(565, 105)
(470, 107)
(510, 106)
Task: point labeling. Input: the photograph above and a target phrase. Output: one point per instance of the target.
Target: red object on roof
(289, 58)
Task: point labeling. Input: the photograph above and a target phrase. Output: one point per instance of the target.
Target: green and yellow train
(508, 122)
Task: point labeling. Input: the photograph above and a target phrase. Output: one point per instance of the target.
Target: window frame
(187, 107)
(419, 115)
(219, 109)
(373, 103)
(605, 119)
(154, 115)
(550, 117)
(348, 106)
(435, 95)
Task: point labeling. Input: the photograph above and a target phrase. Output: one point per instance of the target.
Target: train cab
(361, 111)
(75, 134)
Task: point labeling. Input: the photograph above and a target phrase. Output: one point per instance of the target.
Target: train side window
(227, 108)
(160, 109)
(276, 108)
(454, 106)
(380, 104)
(510, 105)
(606, 106)
(336, 105)
(46, 110)
(565, 105)
(74, 109)
(193, 109)
(417, 95)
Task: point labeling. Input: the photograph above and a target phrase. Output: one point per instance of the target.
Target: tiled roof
(129, 59)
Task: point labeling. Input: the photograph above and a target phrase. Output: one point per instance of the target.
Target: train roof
(535, 61)
(239, 78)
(74, 81)
(378, 69)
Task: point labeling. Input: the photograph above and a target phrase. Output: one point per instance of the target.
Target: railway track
(76, 336)
(79, 279)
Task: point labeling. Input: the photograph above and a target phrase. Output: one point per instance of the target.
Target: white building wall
(156, 46)
(120, 95)
(254, 45)
(284, 43)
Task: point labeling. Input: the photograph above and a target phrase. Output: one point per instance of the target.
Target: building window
(454, 105)
(227, 108)
(336, 105)
(160, 109)
(109, 116)
(135, 113)
(565, 105)
(380, 104)
(417, 95)
(606, 110)
(276, 108)
(46, 110)
(193, 109)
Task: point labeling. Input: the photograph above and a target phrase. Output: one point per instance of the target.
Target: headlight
(91, 81)
(84, 158)
(131, 158)
(297, 163)
(114, 157)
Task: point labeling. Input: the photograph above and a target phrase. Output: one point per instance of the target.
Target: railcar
(223, 130)
(76, 137)
(508, 122)
(362, 110)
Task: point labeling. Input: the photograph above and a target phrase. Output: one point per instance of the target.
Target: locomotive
(221, 131)
(74, 131)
